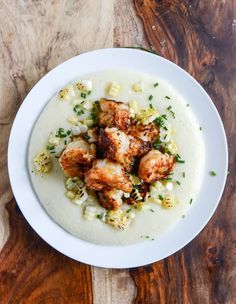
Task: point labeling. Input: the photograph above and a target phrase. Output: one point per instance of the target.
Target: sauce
(150, 223)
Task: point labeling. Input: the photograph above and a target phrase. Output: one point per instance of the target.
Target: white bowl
(142, 253)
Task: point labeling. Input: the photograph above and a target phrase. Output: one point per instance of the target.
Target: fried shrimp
(106, 174)
(147, 133)
(115, 144)
(110, 199)
(114, 114)
(155, 166)
(77, 154)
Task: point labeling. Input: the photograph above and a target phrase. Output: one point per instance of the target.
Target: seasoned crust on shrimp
(138, 147)
(155, 166)
(106, 174)
(147, 133)
(110, 199)
(114, 114)
(77, 155)
(115, 145)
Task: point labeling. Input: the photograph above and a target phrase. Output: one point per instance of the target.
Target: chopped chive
(200, 128)
(167, 179)
(178, 159)
(78, 109)
(152, 239)
(128, 210)
(171, 112)
(86, 137)
(56, 156)
(151, 210)
(147, 236)
(183, 174)
(160, 197)
(65, 142)
(60, 133)
(150, 97)
(183, 216)
(165, 136)
(68, 132)
(156, 84)
(178, 183)
(187, 104)
(151, 106)
(191, 200)
(99, 216)
(89, 92)
(83, 95)
(167, 97)
(50, 148)
(212, 173)
(165, 128)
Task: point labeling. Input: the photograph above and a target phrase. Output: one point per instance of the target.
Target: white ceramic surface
(142, 253)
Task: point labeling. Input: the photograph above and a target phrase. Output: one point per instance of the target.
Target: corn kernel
(113, 89)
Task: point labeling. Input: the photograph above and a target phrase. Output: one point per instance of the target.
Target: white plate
(142, 253)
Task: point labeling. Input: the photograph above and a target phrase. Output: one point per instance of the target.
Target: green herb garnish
(171, 112)
(150, 97)
(191, 200)
(200, 128)
(156, 84)
(151, 106)
(178, 183)
(160, 197)
(167, 97)
(99, 216)
(78, 109)
(151, 210)
(86, 137)
(129, 210)
(213, 173)
(178, 159)
(159, 121)
(50, 148)
(83, 95)
(183, 174)
(61, 133)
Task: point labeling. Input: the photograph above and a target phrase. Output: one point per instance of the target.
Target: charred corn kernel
(70, 194)
(73, 120)
(172, 147)
(169, 186)
(147, 116)
(118, 219)
(53, 140)
(76, 101)
(84, 85)
(88, 105)
(157, 192)
(66, 93)
(137, 87)
(132, 215)
(113, 89)
(42, 162)
(136, 196)
(88, 122)
(168, 202)
(135, 180)
(90, 212)
(133, 105)
(142, 206)
(75, 185)
(172, 131)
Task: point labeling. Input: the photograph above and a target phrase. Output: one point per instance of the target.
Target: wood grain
(33, 272)
(200, 36)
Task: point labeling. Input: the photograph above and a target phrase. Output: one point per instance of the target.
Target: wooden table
(198, 35)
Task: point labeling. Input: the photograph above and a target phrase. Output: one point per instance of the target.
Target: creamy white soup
(137, 215)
